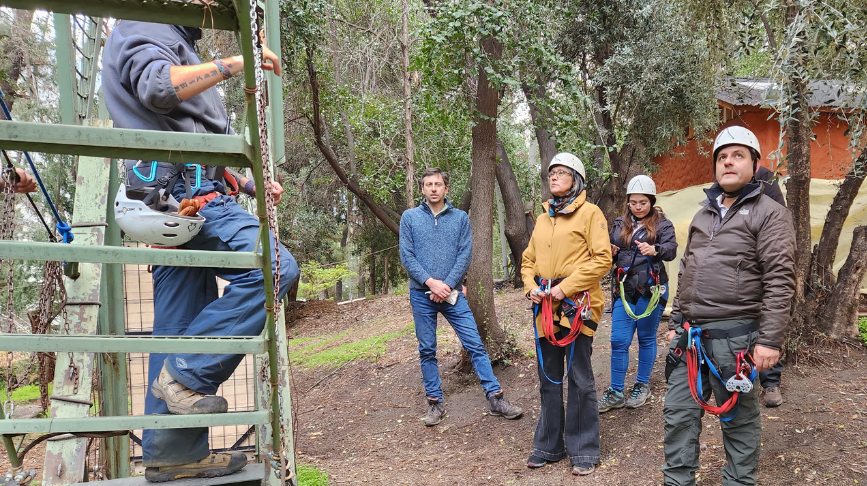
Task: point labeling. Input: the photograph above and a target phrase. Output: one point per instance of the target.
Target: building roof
(827, 94)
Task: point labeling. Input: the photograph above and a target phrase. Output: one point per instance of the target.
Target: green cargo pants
(741, 435)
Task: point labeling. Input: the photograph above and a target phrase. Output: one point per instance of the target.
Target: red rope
(548, 322)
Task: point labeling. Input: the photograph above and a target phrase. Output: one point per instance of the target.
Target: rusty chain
(261, 102)
(7, 227)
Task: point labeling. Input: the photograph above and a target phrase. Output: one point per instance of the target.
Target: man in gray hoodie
(153, 80)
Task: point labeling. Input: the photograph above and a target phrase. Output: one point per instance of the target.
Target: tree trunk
(384, 214)
(798, 133)
(826, 251)
(516, 226)
(541, 124)
(467, 197)
(385, 273)
(338, 287)
(14, 52)
(480, 277)
(409, 157)
(841, 310)
(373, 274)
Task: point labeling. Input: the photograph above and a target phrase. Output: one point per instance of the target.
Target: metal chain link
(261, 103)
(7, 227)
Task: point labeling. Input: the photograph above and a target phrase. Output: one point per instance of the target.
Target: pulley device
(740, 382)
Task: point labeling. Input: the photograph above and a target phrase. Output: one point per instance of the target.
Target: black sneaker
(501, 407)
(436, 412)
(640, 394)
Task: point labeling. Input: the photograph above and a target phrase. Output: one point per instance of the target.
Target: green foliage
(26, 393)
(322, 354)
(862, 329)
(644, 67)
(316, 278)
(309, 475)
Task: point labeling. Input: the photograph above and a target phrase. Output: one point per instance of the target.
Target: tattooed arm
(190, 81)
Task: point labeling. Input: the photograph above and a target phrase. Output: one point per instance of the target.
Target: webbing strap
(695, 357)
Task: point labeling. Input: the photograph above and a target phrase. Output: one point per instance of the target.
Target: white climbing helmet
(568, 160)
(736, 136)
(641, 184)
(156, 228)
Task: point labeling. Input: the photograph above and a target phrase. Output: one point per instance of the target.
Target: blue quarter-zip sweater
(435, 246)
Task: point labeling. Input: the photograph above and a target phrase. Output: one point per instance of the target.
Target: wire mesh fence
(238, 390)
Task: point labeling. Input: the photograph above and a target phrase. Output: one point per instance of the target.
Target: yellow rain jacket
(575, 246)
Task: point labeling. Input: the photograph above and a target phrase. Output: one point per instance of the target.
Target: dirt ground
(362, 423)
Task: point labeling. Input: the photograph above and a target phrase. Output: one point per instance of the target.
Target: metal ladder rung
(252, 475)
(131, 422)
(46, 252)
(84, 343)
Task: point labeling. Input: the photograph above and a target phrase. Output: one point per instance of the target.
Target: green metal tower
(96, 336)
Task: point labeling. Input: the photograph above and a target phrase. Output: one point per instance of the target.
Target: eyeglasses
(559, 174)
(637, 204)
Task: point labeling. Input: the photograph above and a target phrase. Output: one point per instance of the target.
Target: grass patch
(27, 393)
(317, 343)
(862, 329)
(369, 348)
(308, 475)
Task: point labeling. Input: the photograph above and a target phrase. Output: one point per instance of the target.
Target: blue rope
(63, 228)
(694, 339)
(545, 287)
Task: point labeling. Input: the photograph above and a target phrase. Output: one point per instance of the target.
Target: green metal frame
(96, 296)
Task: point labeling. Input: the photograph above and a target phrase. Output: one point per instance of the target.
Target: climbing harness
(653, 281)
(696, 357)
(578, 313)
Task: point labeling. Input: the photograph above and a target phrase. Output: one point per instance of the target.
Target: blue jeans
(424, 312)
(186, 304)
(623, 329)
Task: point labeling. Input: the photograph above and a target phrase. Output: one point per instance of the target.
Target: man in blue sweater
(152, 79)
(436, 249)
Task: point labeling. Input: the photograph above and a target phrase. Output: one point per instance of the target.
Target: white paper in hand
(452, 298)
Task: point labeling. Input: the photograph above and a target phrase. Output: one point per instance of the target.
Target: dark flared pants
(571, 428)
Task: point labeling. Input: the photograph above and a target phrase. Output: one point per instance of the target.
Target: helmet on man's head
(641, 184)
(156, 228)
(736, 136)
(568, 160)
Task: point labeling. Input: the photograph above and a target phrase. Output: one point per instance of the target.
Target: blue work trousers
(623, 330)
(424, 312)
(186, 304)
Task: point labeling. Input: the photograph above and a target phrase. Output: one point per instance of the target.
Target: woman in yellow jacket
(570, 252)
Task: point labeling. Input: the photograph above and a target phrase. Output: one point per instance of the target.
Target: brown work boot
(436, 412)
(771, 397)
(183, 401)
(500, 407)
(213, 466)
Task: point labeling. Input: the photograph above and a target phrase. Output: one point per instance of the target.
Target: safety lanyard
(547, 310)
(655, 293)
(696, 356)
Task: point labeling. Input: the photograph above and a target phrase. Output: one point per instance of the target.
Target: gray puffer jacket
(740, 266)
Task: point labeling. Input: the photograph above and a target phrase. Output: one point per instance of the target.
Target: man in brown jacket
(736, 284)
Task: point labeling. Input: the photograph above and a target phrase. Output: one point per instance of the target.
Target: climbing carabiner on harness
(739, 382)
(578, 313)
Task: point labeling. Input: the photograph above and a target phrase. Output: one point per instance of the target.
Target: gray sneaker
(436, 412)
(501, 407)
(640, 394)
(611, 399)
